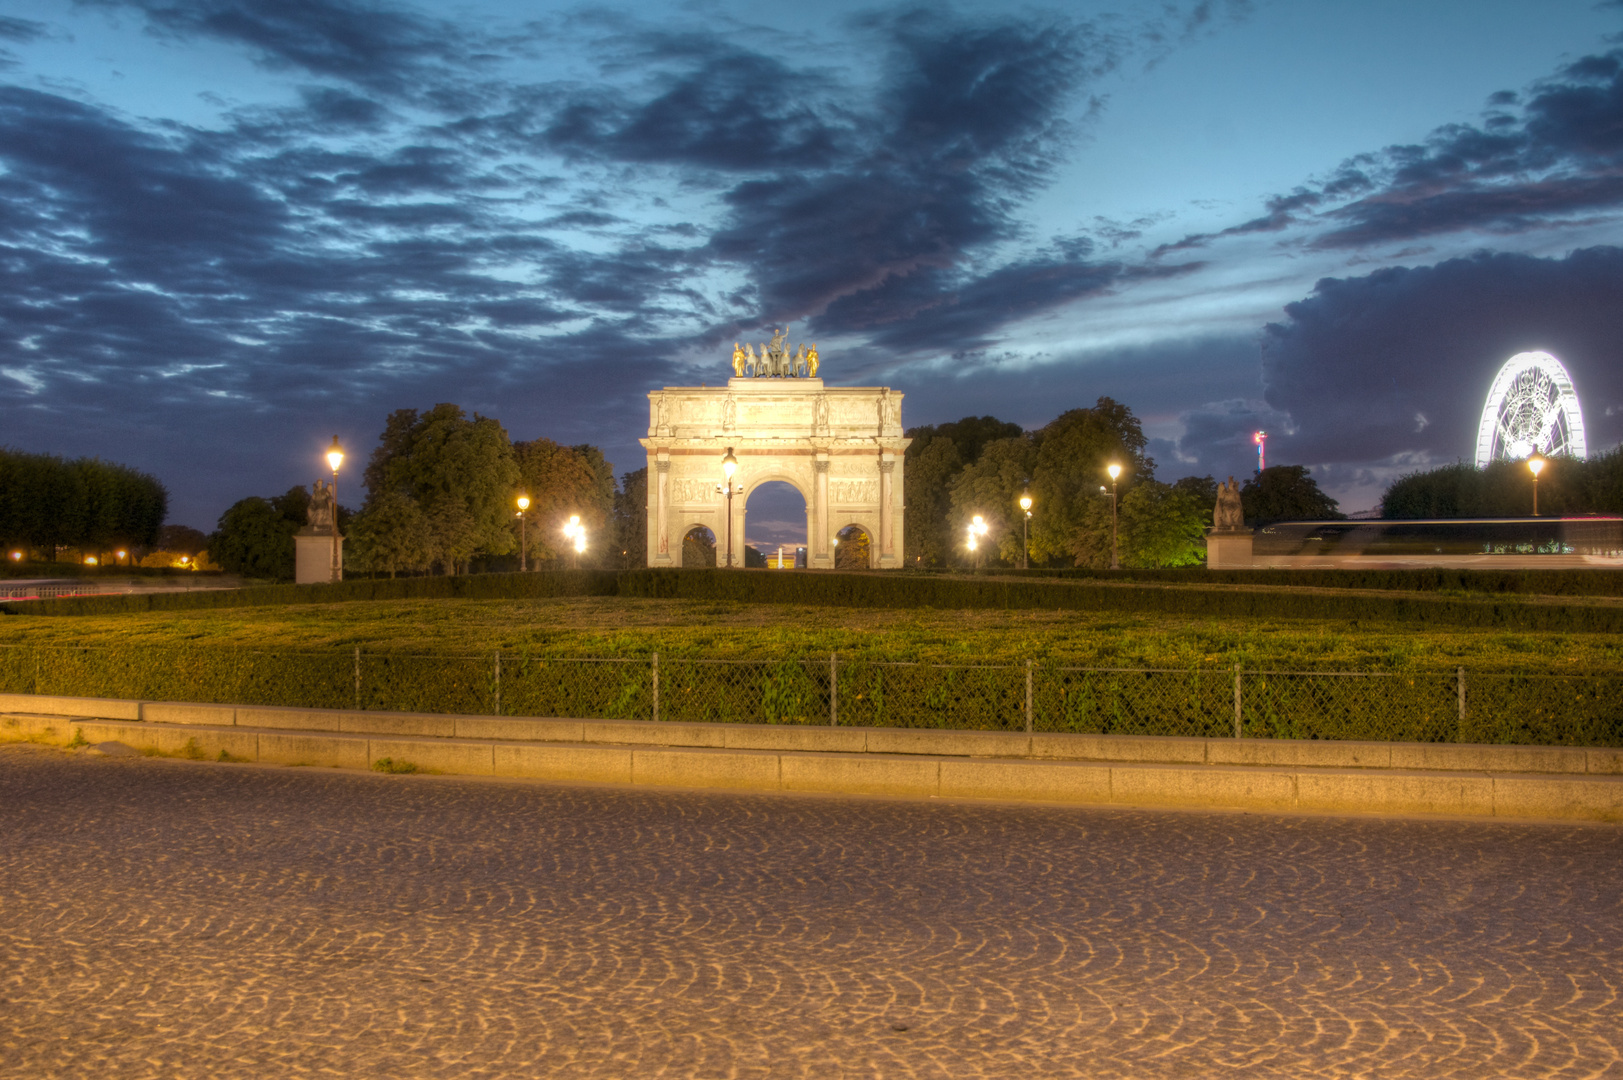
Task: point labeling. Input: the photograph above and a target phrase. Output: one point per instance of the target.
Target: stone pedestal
(312, 556)
(1228, 549)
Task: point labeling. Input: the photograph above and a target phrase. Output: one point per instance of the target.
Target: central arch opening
(699, 547)
(775, 526)
(854, 549)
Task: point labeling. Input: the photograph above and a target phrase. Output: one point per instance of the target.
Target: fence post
(1461, 683)
(833, 691)
(1028, 695)
(498, 682)
(1238, 732)
(357, 678)
(656, 687)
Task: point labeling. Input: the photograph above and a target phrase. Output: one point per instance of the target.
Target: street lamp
(1115, 560)
(335, 458)
(523, 505)
(1025, 532)
(576, 532)
(729, 465)
(1536, 464)
(977, 528)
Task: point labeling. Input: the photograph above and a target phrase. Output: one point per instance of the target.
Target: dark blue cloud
(1551, 154)
(1397, 364)
(380, 46)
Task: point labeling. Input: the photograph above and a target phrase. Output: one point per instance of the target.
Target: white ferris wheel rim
(1515, 368)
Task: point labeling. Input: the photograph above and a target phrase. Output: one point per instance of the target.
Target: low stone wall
(1253, 774)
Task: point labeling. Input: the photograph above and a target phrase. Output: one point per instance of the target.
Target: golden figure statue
(811, 361)
(738, 361)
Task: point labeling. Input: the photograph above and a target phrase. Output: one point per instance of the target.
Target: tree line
(1567, 485)
(49, 504)
(982, 466)
(440, 496)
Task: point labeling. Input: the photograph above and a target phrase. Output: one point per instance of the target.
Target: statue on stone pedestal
(320, 512)
(738, 361)
(1228, 515)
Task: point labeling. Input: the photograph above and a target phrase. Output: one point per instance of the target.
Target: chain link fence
(1575, 709)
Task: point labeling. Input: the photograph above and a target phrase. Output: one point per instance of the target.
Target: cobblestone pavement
(166, 919)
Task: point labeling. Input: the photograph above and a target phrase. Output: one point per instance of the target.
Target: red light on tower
(1260, 438)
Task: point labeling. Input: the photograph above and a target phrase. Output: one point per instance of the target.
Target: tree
(855, 549)
(1505, 489)
(565, 481)
(631, 518)
(969, 436)
(991, 487)
(1286, 493)
(931, 464)
(49, 504)
(461, 473)
(927, 491)
(390, 535)
(1163, 525)
(254, 537)
(1072, 453)
(753, 558)
(181, 539)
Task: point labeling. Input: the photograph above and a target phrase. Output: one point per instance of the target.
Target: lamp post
(1536, 464)
(576, 532)
(977, 528)
(1115, 560)
(1025, 532)
(523, 505)
(729, 465)
(335, 458)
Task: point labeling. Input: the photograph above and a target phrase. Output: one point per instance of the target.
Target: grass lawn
(626, 627)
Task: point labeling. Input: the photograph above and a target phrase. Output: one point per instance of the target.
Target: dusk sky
(232, 228)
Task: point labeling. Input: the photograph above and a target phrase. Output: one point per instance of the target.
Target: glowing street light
(576, 532)
(977, 528)
(17, 556)
(335, 458)
(729, 465)
(1536, 464)
(523, 505)
(1025, 532)
(1115, 471)
(120, 555)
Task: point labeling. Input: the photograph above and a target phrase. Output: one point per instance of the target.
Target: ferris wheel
(1532, 409)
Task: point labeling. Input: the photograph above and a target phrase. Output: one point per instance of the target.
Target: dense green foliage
(47, 503)
(982, 466)
(1505, 489)
(1285, 493)
(1574, 708)
(254, 536)
(462, 475)
(630, 521)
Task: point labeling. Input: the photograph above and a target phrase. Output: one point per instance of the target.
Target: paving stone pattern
(168, 919)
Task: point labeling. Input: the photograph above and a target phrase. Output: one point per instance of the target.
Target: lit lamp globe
(1025, 503)
(1114, 471)
(523, 502)
(1536, 465)
(335, 454)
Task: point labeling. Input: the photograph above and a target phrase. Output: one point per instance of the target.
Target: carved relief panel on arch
(853, 491)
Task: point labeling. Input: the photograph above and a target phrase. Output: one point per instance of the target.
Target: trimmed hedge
(885, 591)
(1569, 582)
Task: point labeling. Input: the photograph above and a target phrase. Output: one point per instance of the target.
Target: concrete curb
(1580, 796)
(1042, 746)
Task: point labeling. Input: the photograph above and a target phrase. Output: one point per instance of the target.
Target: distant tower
(1260, 438)
(1531, 409)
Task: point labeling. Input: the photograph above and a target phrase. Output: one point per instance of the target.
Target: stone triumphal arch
(839, 446)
